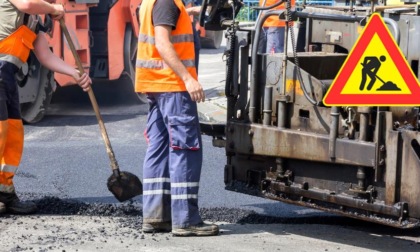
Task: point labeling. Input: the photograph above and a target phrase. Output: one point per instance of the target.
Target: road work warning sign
(375, 72)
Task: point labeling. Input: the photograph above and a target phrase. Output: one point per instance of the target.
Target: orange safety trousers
(11, 148)
(18, 44)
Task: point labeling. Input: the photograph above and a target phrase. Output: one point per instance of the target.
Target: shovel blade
(124, 187)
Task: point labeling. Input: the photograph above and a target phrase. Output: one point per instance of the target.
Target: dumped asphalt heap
(132, 211)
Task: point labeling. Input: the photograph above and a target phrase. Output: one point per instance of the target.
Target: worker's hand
(83, 81)
(58, 11)
(195, 11)
(195, 90)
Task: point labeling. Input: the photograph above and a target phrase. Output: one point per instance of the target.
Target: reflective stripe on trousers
(172, 166)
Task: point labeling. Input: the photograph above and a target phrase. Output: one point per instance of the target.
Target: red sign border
(375, 26)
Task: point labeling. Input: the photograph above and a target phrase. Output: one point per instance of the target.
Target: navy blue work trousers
(9, 95)
(172, 166)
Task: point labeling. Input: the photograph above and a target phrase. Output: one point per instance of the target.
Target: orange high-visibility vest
(18, 44)
(152, 73)
(274, 21)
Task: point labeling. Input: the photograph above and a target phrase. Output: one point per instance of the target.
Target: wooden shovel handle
(114, 164)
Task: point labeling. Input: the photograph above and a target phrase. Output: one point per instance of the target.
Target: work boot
(157, 227)
(201, 229)
(15, 206)
(2, 208)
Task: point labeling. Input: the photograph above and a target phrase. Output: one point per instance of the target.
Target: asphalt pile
(54, 205)
(132, 210)
(130, 214)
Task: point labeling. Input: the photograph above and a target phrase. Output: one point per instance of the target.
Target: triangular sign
(375, 72)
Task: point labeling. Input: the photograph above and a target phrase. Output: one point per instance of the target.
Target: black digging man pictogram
(371, 66)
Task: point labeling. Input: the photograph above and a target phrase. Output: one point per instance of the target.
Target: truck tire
(38, 84)
(130, 57)
(212, 40)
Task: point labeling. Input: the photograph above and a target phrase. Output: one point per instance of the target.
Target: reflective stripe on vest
(18, 44)
(160, 64)
(274, 21)
(152, 73)
(174, 39)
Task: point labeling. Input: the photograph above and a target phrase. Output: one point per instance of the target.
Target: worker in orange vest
(194, 11)
(272, 34)
(19, 34)
(165, 71)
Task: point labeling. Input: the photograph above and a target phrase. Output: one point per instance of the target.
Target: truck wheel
(212, 40)
(35, 91)
(130, 56)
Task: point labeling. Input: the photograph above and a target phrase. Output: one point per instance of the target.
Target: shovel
(123, 185)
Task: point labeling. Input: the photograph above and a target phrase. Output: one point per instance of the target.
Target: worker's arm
(169, 55)
(48, 59)
(195, 11)
(39, 7)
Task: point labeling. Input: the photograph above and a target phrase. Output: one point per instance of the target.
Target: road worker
(19, 34)
(165, 71)
(272, 34)
(194, 11)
